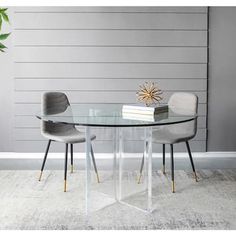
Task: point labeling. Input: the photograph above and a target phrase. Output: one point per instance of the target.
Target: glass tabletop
(110, 115)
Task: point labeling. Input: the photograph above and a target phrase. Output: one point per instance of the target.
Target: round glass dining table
(111, 115)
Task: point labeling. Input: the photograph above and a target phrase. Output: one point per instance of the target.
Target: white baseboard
(33, 161)
(16, 155)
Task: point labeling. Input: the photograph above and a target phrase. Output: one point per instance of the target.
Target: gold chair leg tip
(164, 170)
(139, 179)
(71, 169)
(173, 187)
(40, 176)
(65, 186)
(98, 180)
(196, 177)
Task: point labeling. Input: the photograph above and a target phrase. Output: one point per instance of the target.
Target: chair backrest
(54, 103)
(184, 104)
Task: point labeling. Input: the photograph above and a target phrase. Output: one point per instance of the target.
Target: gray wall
(102, 55)
(187, 45)
(222, 79)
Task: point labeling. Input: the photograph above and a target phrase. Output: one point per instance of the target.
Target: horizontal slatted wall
(102, 55)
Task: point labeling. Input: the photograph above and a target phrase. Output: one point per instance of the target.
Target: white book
(139, 117)
(136, 108)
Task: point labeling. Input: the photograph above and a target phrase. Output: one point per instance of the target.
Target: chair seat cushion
(69, 136)
(165, 136)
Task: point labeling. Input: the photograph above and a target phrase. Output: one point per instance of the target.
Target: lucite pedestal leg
(88, 170)
(149, 167)
(120, 163)
(115, 162)
(143, 170)
(146, 193)
(142, 198)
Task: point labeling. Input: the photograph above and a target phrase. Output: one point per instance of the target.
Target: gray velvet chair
(55, 103)
(182, 104)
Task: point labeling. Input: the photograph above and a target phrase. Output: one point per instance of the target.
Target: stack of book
(139, 112)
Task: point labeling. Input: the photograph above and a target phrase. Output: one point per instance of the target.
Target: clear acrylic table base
(88, 171)
(130, 199)
(119, 185)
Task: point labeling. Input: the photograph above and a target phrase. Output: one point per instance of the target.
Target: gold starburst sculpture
(149, 93)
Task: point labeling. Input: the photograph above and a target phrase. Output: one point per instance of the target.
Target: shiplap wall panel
(110, 38)
(102, 54)
(143, 9)
(96, 96)
(112, 21)
(126, 84)
(111, 54)
(108, 70)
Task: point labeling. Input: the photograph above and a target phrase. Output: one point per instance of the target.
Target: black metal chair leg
(44, 159)
(65, 175)
(71, 158)
(172, 167)
(163, 159)
(191, 160)
(94, 164)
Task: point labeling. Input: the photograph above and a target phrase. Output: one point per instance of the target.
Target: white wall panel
(137, 38)
(112, 21)
(111, 54)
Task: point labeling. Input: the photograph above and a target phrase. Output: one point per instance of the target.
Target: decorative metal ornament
(149, 93)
